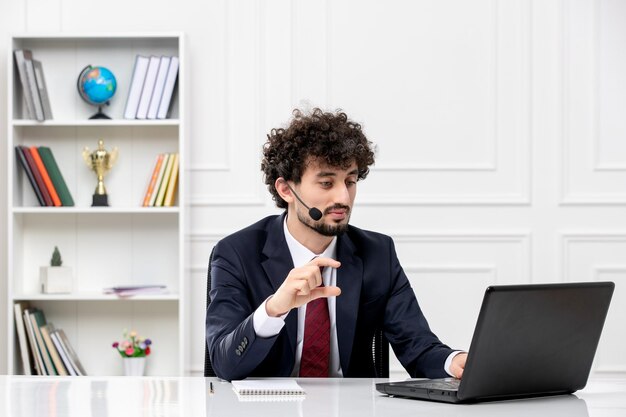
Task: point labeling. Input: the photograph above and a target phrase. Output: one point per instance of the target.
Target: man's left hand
(458, 365)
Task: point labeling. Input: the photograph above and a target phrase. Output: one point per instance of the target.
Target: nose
(342, 195)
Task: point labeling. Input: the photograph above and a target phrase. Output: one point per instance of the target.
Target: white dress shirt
(266, 326)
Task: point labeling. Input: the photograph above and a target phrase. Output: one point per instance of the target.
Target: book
(148, 87)
(46, 178)
(64, 356)
(20, 63)
(37, 174)
(130, 290)
(52, 350)
(159, 180)
(136, 86)
(153, 180)
(38, 319)
(19, 154)
(267, 387)
(159, 85)
(164, 181)
(37, 358)
(168, 89)
(42, 89)
(72, 356)
(55, 176)
(19, 308)
(32, 83)
(171, 184)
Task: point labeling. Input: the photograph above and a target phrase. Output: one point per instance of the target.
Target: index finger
(319, 261)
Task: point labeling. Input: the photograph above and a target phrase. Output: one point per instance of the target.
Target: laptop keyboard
(441, 384)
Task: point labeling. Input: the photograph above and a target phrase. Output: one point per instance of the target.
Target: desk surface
(189, 396)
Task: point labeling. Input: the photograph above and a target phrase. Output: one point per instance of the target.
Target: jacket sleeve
(234, 348)
(419, 350)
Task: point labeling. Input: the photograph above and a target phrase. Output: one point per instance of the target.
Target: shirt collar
(300, 254)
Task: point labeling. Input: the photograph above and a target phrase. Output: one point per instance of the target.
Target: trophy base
(100, 200)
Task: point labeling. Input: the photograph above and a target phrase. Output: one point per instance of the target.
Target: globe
(97, 85)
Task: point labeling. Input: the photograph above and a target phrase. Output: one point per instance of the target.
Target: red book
(38, 179)
(46, 178)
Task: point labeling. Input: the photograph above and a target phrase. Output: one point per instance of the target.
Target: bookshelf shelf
(55, 211)
(93, 297)
(94, 123)
(124, 244)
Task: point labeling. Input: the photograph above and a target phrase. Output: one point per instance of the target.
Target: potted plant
(56, 279)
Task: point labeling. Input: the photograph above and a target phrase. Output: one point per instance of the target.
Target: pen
(210, 388)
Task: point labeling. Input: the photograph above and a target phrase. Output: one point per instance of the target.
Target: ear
(283, 190)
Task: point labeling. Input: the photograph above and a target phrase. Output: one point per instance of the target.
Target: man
(302, 294)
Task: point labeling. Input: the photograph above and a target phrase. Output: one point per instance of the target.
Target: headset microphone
(314, 212)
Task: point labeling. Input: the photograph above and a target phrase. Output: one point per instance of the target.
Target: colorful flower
(132, 346)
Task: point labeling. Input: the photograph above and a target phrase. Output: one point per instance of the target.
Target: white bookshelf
(123, 244)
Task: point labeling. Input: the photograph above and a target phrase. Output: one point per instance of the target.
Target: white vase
(134, 366)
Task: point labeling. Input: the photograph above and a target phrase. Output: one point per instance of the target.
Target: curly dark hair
(330, 138)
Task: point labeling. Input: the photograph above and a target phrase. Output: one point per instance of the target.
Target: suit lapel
(349, 279)
(277, 265)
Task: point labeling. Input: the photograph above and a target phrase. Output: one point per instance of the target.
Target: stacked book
(132, 290)
(44, 176)
(151, 87)
(44, 350)
(161, 190)
(33, 83)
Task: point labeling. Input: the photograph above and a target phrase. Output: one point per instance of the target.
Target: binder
(148, 87)
(136, 86)
(20, 63)
(168, 89)
(158, 87)
(42, 89)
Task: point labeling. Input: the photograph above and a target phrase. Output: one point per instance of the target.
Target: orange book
(44, 175)
(153, 180)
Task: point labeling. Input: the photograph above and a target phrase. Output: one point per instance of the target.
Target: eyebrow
(334, 174)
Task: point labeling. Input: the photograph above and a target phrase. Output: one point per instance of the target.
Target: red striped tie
(316, 346)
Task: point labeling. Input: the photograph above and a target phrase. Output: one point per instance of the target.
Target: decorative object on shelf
(133, 349)
(100, 161)
(97, 85)
(56, 279)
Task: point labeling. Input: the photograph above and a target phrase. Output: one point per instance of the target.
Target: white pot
(134, 366)
(56, 279)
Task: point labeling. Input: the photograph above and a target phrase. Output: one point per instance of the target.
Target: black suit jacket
(249, 266)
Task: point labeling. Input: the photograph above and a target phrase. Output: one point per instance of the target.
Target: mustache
(337, 207)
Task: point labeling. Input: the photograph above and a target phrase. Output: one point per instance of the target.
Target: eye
(350, 183)
(326, 184)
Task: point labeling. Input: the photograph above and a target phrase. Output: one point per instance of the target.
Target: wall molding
(568, 238)
(520, 198)
(568, 198)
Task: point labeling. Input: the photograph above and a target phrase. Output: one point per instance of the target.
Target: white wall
(499, 125)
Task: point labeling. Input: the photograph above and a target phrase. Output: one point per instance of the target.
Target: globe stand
(99, 115)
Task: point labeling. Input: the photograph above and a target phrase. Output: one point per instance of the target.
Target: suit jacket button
(245, 340)
(238, 353)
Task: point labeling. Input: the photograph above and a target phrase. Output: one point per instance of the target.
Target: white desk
(142, 397)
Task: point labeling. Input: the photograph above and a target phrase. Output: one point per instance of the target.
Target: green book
(38, 319)
(55, 176)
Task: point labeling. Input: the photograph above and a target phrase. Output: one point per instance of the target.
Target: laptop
(529, 340)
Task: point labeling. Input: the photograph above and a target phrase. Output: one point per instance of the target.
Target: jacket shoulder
(249, 236)
(368, 241)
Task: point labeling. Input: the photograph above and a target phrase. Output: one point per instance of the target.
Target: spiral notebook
(267, 387)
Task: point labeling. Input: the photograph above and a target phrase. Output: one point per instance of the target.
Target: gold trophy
(100, 161)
